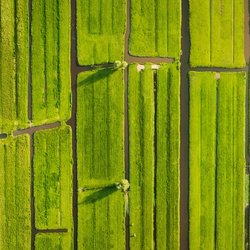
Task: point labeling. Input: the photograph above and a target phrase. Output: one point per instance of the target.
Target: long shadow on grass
(97, 195)
(97, 76)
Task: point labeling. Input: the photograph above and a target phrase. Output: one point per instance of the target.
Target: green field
(100, 159)
(51, 77)
(53, 178)
(168, 157)
(142, 116)
(217, 160)
(100, 31)
(217, 33)
(155, 28)
(14, 60)
(98, 155)
(53, 241)
(15, 220)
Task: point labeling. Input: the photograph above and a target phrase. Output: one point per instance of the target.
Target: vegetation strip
(155, 28)
(51, 89)
(100, 31)
(141, 140)
(100, 159)
(15, 221)
(14, 60)
(217, 163)
(61, 241)
(217, 33)
(53, 178)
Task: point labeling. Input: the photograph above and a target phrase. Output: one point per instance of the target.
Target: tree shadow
(98, 195)
(98, 75)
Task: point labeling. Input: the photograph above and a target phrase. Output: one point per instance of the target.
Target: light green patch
(51, 78)
(168, 157)
(15, 213)
(155, 28)
(100, 163)
(100, 31)
(14, 61)
(53, 241)
(144, 109)
(217, 33)
(217, 163)
(53, 178)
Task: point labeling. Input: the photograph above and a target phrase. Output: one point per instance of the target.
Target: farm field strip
(14, 62)
(142, 114)
(100, 31)
(155, 28)
(53, 241)
(100, 159)
(15, 211)
(51, 77)
(53, 178)
(217, 33)
(217, 164)
(50, 63)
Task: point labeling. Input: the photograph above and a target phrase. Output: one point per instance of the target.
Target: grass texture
(51, 78)
(146, 108)
(217, 164)
(53, 178)
(217, 33)
(155, 28)
(15, 214)
(14, 61)
(100, 143)
(53, 241)
(100, 31)
(168, 157)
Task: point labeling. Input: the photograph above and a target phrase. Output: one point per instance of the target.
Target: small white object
(155, 66)
(140, 67)
(217, 76)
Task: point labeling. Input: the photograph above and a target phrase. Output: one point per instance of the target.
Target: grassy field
(142, 137)
(155, 28)
(100, 31)
(217, 164)
(168, 157)
(14, 59)
(53, 178)
(51, 77)
(217, 33)
(15, 220)
(100, 159)
(53, 241)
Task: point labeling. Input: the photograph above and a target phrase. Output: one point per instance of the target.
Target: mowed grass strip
(51, 80)
(141, 156)
(202, 160)
(100, 31)
(53, 241)
(100, 159)
(14, 60)
(167, 157)
(217, 105)
(53, 178)
(217, 33)
(15, 214)
(155, 28)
